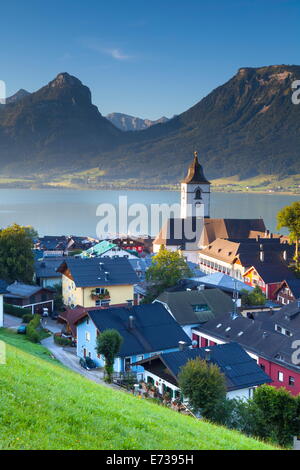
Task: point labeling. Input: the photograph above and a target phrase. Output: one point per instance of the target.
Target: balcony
(100, 295)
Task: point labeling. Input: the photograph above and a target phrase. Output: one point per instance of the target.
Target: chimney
(129, 302)
(284, 254)
(264, 334)
(106, 274)
(261, 254)
(181, 345)
(131, 322)
(207, 354)
(201, 287)
(101, 266)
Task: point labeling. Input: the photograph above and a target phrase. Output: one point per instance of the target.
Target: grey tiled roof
(181, 305)
(240, 370)
(91, 272)
(154, 328)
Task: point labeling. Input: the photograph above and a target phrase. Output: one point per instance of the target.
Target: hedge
(16, 311)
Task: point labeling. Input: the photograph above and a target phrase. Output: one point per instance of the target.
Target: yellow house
(97, 282)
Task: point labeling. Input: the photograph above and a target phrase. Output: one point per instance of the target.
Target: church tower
(195, 192)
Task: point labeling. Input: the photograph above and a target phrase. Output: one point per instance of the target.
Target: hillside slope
(246, 127)
(44, 406)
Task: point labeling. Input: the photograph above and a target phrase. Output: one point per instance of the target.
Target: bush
(16, 311)
(27, 317)
(61, 341)
(32, 334)
(31, 330)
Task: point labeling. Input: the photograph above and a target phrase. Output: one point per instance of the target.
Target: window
(87, 336)
(291, 380)
(198, 193)
(98, 303)
(280, 376)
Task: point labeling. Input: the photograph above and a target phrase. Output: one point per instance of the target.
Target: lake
(56, 212)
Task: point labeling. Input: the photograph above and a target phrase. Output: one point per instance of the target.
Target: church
(195, 229)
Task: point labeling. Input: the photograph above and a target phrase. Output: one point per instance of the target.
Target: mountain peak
(64, 79)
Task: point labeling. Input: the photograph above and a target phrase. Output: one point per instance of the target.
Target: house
(54, 245)
(107, 248)
(134, 244)
(29, 296)
(192, 308)
(45, 271)
(71, 316)
(234, 257)
(268, 275)
(146, 330)
(242, 374)
(267, 339)
(223, 282)
(288, 291)
(61, 245)
(93, 283)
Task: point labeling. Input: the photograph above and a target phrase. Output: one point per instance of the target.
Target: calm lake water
(55, 212)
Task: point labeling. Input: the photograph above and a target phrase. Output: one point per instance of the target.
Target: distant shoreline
(120, 188)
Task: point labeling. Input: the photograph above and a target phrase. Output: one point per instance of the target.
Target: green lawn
(45, 406)
(21, 342)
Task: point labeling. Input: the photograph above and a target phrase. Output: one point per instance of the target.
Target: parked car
(87, 363)
(21, 330)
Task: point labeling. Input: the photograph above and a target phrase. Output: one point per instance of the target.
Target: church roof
(195, 173)
(202, 232)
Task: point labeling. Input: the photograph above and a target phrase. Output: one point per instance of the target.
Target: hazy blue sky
(145, 58)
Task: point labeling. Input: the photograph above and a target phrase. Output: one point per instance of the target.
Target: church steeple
(195, 173)
(195, 192)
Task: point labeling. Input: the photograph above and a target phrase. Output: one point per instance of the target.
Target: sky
(144, 58)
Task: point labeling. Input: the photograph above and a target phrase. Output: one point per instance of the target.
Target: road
(11, 322)
(71, 361)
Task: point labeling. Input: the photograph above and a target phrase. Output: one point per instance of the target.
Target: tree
(167, 268)
(108, 344)
(254, 297)
(16, 255)
(203, 384)
(289, 217)
(278, 417)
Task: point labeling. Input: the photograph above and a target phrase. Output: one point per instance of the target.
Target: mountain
(17, 96)
(55, 127)
(246, 127)
(131, 123)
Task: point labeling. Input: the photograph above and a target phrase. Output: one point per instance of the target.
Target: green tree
(203, 384)
(278, 414)
(167, 268)
(16, 255)
(289, 217)
(254, 297)
(108, 344)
